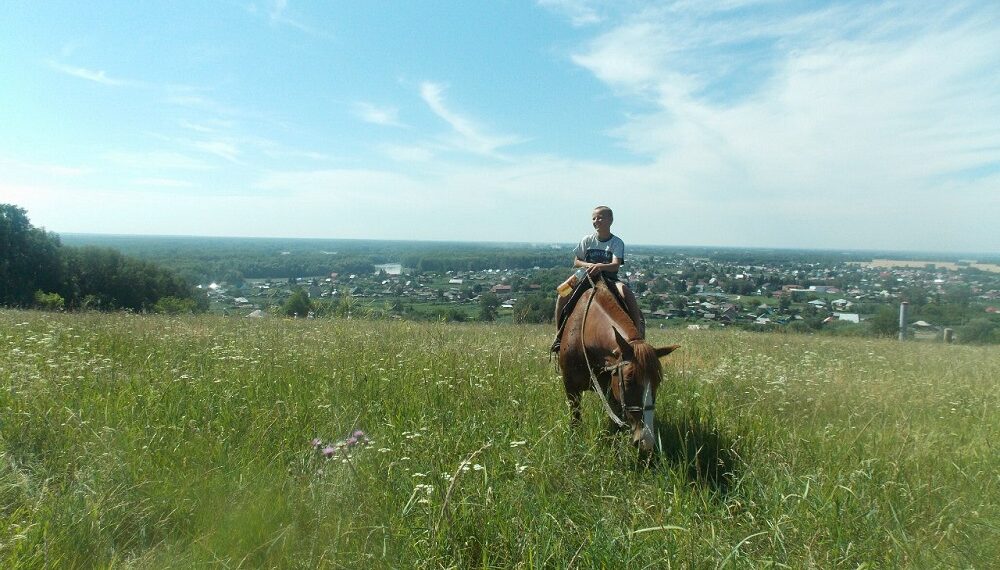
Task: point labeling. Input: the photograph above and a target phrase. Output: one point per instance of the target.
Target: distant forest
(37, 270)
(206, 259)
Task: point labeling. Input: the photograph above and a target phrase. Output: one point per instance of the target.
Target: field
(949, 265)
(159, 442)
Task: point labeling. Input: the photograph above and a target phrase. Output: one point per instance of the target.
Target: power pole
(904, 310)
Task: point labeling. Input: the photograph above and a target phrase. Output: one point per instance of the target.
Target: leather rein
(616, 370)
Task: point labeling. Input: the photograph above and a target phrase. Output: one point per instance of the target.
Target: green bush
(175, 306)
(298, 304)
(979, 331)
(49, 301)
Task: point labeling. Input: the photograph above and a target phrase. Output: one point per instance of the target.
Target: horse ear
(623, 345)
(661, 352)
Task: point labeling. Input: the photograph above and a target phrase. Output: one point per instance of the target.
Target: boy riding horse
(604, 252)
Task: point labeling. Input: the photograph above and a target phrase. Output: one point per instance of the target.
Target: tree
(30, 259)
(979, 331)
(49, 301)
(537, 308)
(655, 302)
(916, 295)
(784, 303)
(489, 304)
(298, 304)
(884, 323)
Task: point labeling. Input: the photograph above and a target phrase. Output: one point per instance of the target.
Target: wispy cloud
(378, 115)
(407, 153)
(162, 183)
(226, 149)
(58, 170)
(469, 135)
(278, 12)
(195, 98)
(873, 105)
(97, 76)
(155, 160)
(579, 12)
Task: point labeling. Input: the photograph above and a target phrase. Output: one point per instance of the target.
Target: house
(849, 317)
(500, 289)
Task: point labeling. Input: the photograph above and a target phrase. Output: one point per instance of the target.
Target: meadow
(146, 441)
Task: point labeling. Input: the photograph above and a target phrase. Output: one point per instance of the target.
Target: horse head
(635, 375)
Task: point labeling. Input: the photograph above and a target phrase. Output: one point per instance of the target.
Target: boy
(604, 252)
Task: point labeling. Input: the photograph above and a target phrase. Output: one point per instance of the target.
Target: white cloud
(162, 183)
(470, 136)
(154, 160)
(386, 116)
(848, 127)
(407, 153)
(97, 76)
(223, 149)
(579, 12)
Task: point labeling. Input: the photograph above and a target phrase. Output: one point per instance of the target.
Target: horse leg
(573, 396)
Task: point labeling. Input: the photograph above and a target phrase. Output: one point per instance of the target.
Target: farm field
(949, 265)
(171, 442)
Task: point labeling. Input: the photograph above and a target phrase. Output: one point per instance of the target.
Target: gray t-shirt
(593, 250)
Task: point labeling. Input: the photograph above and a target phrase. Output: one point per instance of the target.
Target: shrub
(49, 301)
(979, 331)
(298, 304)
(174, 306)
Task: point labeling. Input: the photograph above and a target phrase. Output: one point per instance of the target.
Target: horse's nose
(643, 439)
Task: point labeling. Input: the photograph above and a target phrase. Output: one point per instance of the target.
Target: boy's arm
(594, 269)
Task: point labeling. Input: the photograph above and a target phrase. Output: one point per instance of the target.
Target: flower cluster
(357, 438)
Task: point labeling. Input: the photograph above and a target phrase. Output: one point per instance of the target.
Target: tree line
(207, 259)
(37, 270)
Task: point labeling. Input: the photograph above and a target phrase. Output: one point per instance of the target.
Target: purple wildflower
(351, 441)
(359, 434)
(329, 450)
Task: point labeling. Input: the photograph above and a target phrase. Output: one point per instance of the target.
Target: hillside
(154, 441)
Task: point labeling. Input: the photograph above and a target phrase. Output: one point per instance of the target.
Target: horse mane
(608, 303)
(645, 364)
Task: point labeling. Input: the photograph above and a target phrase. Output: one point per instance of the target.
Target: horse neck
(606, 300)
(647, 364)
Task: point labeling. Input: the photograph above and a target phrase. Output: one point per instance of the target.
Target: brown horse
(601, 351)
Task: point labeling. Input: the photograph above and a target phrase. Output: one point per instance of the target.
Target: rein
(616, 368)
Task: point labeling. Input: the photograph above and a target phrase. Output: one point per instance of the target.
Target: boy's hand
(594, 270)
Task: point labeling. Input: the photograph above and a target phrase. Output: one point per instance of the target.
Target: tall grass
(157, 442)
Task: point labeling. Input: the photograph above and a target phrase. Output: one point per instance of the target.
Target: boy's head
(601, 219)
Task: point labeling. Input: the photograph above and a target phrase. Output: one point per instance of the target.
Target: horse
(601, 350)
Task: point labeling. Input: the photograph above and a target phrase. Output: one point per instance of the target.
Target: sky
(744, 123)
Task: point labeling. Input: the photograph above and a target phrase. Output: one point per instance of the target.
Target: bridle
(615, 369)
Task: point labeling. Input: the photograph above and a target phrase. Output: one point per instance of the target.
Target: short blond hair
(605, 209)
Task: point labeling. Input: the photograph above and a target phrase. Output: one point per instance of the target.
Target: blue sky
(861, 125)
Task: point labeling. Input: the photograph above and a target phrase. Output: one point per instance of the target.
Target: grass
(158, 442)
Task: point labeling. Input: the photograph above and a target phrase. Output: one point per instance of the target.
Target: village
(675, 290)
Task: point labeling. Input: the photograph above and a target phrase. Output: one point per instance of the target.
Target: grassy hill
(150, 441)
